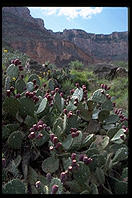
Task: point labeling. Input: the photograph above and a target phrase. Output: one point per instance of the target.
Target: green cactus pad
(26, 106)
(12, 71)
(98, 96)
(116, 139)
(91, 104)
(67, 142)
(112, 132)
(59, 102)
(88, 140)
(7, 82)
(42, 106)
(121, 154)
(92, 151)
(51, 84)
(119, 187)
(69, 123)
(76, 144)
(98, 161)
(100, 175)
(103, 115)
(104, 143)
(15, 186)
(20, 85)
(111, 119)
(15, 140)
(5, 132)
(13, 166)
(29, 120)
(32, 77)
(71, 106)
(56, 181)
(94, 189)
(50, 165)
(107, 105)
(30, 86)
(66, 163)
(40, 142)
(11, 105)
(82, 175)
(78, 93)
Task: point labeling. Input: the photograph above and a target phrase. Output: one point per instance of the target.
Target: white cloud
(71, 12)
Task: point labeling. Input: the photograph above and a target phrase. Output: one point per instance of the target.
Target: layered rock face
(28, 35)
(102, 47)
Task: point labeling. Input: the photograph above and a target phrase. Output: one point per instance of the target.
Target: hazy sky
(99, 20)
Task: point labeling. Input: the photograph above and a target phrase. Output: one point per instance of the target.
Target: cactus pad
(32, 77)
(50, 165)
(12, 71)
(15, 140)
(11, 105)
(20, 85)
(42, 106)
(15, 186)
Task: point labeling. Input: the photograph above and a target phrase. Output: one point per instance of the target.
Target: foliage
(59, 141)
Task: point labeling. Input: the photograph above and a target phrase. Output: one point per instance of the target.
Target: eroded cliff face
(102, 47)
(28, 35)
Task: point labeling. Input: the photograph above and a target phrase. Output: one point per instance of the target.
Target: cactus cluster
(68, 143)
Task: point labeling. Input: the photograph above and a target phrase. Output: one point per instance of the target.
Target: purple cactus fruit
(74, 163)
(85, 159)
(77, 85)
(61, 94)
(31, 129)
(56, 89)
(27, 93)
(12, 88)
(48, 176)
(8, 93)
(78, 112)
(122, 137)
(38, 184)
(34, 81)
(52, 93)
(62, 176)
(65, 111)
(36, 86)
(51, 148)
(40, 127)
(18, 95)
(40, 122)
(126, 131)
(73, 156)
(47, 128)
(102, 91)
(22, 76)
(58, 145)
(54, 189)
(113, 104)
(70, 168)
(81, 156)
(32, 135)
(55, 140)
(72, 91)
(39, 136)
(52, 135)
(35, 127)
(3, 162)
(77, 133)
(69, 114)
(73, 134)
(17, 62)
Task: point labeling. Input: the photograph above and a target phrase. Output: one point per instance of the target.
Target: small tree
(77, 65)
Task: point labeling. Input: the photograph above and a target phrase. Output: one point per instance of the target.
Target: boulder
(121, 72)
(105, 70)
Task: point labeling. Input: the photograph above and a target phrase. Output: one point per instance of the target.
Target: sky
(98, 20)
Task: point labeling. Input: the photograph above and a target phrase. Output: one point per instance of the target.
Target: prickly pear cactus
(27, 106)
(34, 77)
(15, 140)
(11, 105)
(29, 86)
(12, 71)
(50, 165)
(20, 85)
(78, 93)
(15, 186)
(7, 82)
(42, 106)
(59, 102)
(51, 84)
(56, 181)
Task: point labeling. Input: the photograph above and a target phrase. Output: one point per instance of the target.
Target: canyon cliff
(29, 35)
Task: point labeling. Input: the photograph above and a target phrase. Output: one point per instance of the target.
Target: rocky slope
(27, 34)
(103, 47)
